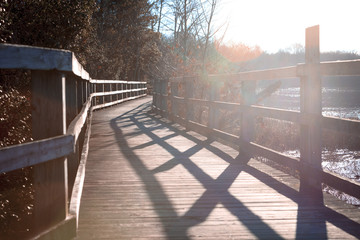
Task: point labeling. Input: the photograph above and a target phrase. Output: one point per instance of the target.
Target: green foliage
(123, 46)
(56, 24)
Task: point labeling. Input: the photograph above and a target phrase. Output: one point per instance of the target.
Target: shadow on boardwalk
(310, 219)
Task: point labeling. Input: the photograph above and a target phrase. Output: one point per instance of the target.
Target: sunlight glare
(278, 24)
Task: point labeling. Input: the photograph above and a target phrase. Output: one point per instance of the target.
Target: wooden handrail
(64, 96)
(309, 117)
(29, 154)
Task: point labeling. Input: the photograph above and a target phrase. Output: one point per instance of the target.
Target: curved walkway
(149, 178)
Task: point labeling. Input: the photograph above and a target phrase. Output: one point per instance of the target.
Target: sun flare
(278, 24)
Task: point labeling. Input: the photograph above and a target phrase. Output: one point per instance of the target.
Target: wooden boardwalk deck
(149, 178)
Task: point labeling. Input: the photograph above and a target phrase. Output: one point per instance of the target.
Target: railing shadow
(216, 190)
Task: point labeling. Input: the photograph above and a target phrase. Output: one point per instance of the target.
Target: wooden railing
(63, 97)
(167, 101)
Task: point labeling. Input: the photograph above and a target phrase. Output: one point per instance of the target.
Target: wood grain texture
(28, 154)
(149, 178)
(14, 56)
(49, 120)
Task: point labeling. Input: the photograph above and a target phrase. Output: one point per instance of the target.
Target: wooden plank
(213, 110)
(29, 154)
(247, 118)
(75, 200)
(270, 74)
(71, 99)
(77, 124)
(78, 69)
(189, 92)
(63, 230)
(49, 120)
(341, 183)
(194, 188)
(278, 157)
(340, 68)
(311, 103)
(174, 87)
(275, 113)
(14, 56)
(347, 126)
(117, 102)
(201, 102)
(180, 99)
(98, 81)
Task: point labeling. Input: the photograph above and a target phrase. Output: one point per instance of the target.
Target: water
(344, 162)
(337, 102)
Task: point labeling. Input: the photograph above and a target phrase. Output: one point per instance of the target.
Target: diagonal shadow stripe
(327, 214)
(211, 196)
(212, 186)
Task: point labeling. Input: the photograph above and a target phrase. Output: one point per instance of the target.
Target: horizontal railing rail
(167, 102)
(63, 97)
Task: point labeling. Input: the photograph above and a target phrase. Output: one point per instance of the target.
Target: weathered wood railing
(167, 101)
(63, 97)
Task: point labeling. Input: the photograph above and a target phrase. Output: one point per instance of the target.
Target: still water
(336, 102)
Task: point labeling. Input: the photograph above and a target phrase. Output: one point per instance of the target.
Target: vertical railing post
(83, 87)
(71, 99)
(94, 90)
(311, 106)
(110, 89)
(122, 88)
(173, 93)
(103, 90)
(71, 112)
(79, 94)
(155, 95)
(126, 88)
(116, 89)
(163, 95)
(212, 116)
(49, 120)
(99, 88)
(189, 110)
(247, 127)
(86, 88)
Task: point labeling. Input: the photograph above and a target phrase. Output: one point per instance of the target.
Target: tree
(124, 43)
(56, 24)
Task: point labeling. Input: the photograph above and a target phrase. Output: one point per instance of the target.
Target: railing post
(83, 87)
(110, 89)
(164, 97)
(103, 90)
(122, 88)
(71, 112)
(48, 120)
(311, 106)
(247, 119)
(156, 96)
(189, 110)
(116, 89)
(93, 85)
(214, 91)
(79, 94)
(71, 99)
(173, 93)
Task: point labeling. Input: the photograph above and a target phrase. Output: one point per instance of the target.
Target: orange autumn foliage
(237, 52)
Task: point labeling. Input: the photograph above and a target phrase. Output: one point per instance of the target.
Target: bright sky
(278, 24)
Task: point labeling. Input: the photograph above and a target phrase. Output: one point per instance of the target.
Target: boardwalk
(149, 178)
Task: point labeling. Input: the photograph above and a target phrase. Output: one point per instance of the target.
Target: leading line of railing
(166, 102)
(63, 98)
